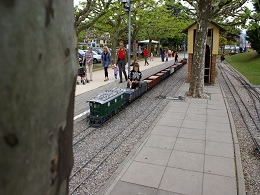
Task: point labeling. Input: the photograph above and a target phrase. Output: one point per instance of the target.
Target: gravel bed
(131, 124)
(250, 159)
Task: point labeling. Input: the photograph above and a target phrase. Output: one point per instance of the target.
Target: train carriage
(108, 103)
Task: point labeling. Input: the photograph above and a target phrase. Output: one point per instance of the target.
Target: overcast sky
(249, 4)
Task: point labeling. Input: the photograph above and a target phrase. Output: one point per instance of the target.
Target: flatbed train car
(107, 104)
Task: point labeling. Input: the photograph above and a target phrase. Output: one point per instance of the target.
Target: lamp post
(127, 6)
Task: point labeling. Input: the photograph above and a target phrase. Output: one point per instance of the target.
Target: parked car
(98, 50)
(96, 57)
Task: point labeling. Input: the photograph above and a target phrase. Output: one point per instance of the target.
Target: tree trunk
(38, 63)
(114, 45)
(197, 73)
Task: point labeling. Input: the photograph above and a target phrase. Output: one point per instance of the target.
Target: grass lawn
(247, 64)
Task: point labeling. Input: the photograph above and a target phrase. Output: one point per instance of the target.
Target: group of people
(134, 77)
(166, 54)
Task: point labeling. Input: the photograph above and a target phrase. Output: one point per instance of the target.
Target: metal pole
(129, 36)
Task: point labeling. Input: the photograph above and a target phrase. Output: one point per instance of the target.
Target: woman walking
(105, 60)
(88, 61)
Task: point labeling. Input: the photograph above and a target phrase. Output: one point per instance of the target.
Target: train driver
(134, 77)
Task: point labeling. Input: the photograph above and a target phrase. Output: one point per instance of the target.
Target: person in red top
(121, 60)
(145, 56)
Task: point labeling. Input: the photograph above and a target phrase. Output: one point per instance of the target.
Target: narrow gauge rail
(100, 151)
(107, 104)
(243, 107)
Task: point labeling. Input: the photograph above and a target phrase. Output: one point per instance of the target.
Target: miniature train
(107, 104)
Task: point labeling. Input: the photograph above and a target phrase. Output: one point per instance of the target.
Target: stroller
(82, 74)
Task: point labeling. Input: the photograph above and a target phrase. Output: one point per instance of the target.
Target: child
(115, 71)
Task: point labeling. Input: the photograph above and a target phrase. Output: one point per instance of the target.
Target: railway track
(95, 148)
(248, 107)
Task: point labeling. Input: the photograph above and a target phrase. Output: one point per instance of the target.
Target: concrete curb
(239, 170)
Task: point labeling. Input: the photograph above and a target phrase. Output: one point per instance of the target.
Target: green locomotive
(105, 105)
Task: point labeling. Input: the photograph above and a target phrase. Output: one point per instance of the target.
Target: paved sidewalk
(190, 150)
(98, 76)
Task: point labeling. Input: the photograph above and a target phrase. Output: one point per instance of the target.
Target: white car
(96, 57)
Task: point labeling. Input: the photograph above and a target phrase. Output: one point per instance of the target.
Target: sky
(249, 4)
(76, 2)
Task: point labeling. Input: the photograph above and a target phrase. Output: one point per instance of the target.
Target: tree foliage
(88, 12)
(253, 33)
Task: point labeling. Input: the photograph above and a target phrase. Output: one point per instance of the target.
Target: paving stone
(219, 166)
(214, 90)
(219, 149)
(218, 136)
(192, 133)
(156, 156)
(177, 109)
(217, 97)
(170, 122)
(194, 124)
(198, 101)
(196, 117)
(183, 105)
(158, 141)
(201, 106)
(165, 131)
(125, 188)
(216, 107)
(163, 192)
(222, 113)
(190, 145)
(187, 161)
(223, 127)
(218, 119)
(174, 115)
(192, 110)
(182, 181)
(219, 102)
(219, 185)
(144, 174)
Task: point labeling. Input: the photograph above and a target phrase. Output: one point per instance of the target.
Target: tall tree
(206, 11)
(37, 82)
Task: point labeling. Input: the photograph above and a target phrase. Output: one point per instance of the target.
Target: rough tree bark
(37, 82)
(206, 11)
(197, 77)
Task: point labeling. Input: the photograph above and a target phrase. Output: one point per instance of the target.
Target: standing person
(176, 57)
(146, 56)
(162, 54)
(105, 60)
(121, 60)
(169, 53)
(222, 58)
(166, 56)
(88, 61)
